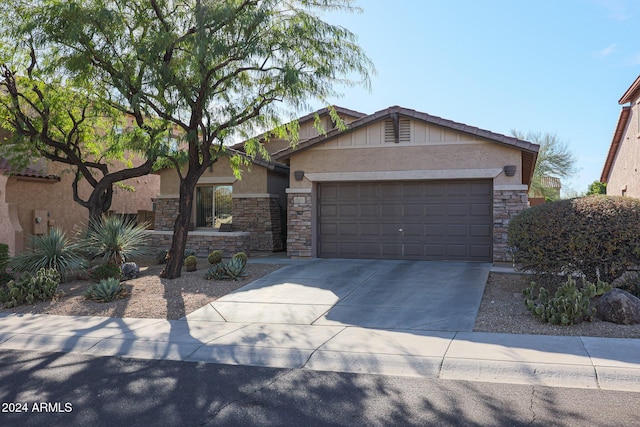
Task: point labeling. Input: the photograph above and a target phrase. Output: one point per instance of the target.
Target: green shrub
(242, 256)
(232, 269)
(105, 271)
(28, 288)
(215, 257)
(106, 290)
(570, 305)
(631, 285)
(4, 263)
(4, 257)
(596, 236)
(115, 240)
(191, 262)
(51, 250)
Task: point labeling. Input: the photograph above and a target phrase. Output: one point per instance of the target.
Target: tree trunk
(181, 227)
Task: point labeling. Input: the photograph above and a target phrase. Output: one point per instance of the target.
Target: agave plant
(115, 240)
(52, 251)
(106, 290)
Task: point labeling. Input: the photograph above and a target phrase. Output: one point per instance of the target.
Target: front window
(213, 206)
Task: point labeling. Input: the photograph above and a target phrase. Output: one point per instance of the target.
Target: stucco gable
(427, 129)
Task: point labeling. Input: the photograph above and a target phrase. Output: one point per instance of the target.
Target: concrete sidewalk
(581, 362)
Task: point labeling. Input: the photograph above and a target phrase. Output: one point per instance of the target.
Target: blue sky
(556, 66)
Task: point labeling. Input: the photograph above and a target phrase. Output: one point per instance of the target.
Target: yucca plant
(52, 250)
(106, 290)
(115, 240)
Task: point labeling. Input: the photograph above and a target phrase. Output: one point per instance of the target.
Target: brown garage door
(433, 220)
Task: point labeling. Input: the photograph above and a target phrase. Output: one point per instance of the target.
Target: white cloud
(607, 50)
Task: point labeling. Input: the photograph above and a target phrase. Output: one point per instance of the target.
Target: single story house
(35, 199)
(620, 171)
(397, 183)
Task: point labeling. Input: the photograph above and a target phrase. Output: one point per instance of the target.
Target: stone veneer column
(508, 201)
(166, 212)
(260, 215)
(299, 223)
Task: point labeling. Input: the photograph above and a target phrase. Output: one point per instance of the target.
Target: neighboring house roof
(615, 141)
(307, 118)
(550, 182)
(269, 164)
(632, 93)
(7, 169)
(529, 150)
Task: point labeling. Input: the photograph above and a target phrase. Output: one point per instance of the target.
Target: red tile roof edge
(615, 142)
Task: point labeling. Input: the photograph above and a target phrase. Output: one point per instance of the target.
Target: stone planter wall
(204, 242)
(508, 201)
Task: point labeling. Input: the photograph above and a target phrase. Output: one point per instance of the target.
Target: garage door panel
(479, 230)
(413, 210)
(438, 219)
(413, 230)
(329, 210)
(457, 230)
(457, 210)
(413, 251)
(480, 209)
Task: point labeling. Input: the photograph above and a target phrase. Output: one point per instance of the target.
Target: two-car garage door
(432, 220)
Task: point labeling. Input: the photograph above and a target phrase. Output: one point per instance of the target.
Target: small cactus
(215, 257)
(191, 262)
(242, 256)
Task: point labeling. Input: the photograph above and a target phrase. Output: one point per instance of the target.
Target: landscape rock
(619, 306)
(130, 270)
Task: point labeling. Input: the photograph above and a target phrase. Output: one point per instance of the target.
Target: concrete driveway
(385, 294)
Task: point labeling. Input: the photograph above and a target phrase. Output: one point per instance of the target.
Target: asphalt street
(66, 389)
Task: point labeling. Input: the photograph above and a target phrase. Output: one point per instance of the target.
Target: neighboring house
(41, 197)
(551, 187)
(395, 184)
(620, 171)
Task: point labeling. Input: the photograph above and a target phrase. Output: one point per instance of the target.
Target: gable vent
(404, 131)
(328, 124)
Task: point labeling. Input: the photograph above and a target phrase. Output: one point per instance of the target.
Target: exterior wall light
(509, 170)
(298, 175)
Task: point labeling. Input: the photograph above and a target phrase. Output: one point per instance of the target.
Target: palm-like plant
(52, 250)
(115, 240)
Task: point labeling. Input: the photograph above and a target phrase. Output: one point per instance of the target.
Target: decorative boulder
(130, 270)
(619, 306)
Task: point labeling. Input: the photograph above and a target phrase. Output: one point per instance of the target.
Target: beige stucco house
(621, 166)
(395, 184)
(35, 199)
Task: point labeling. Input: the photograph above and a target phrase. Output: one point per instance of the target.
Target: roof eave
(632, 93)
(623, 119)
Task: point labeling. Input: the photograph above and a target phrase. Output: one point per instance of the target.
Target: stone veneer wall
(507, 203)
(166, 213)
(299, 225)
(261, 217)
(204, 242)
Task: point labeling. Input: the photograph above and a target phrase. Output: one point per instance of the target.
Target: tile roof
(7, 169)
(632, 93)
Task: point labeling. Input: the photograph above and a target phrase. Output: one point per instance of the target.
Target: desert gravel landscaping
(502, 308)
